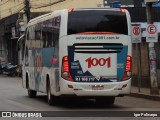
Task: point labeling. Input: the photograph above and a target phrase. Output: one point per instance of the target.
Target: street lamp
(105, 2)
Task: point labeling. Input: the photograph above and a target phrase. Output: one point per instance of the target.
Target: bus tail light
(70, 10)
(65, 69)
(128, 71)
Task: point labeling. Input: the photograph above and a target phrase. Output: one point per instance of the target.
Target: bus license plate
(97, 87)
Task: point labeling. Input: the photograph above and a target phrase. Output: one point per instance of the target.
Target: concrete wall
(10, 7)
(144, 59)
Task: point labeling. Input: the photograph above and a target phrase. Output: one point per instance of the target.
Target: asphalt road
(14, 98)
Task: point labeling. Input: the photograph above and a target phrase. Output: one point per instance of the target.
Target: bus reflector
(70, 86)
(128, 70)
(65, 69)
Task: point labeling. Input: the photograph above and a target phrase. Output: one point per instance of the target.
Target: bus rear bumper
(96, 89)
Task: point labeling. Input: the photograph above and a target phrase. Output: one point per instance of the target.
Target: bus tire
(105, 100)
(52, 100)
(32, 93)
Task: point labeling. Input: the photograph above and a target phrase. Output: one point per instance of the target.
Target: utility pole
(152, 54)
(27, 9)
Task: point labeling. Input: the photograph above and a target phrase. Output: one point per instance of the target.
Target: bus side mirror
(19, 42)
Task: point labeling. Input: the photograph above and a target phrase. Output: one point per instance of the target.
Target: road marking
(22, 105)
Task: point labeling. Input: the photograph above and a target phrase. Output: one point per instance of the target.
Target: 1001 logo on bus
(101, 62)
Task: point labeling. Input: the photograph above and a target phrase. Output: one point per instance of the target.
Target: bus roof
(43, 17)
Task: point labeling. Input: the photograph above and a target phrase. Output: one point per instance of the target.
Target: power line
(12, 7)
(4, 3)
(10, 11)
(19, 10)
(49, 4)
(41, 6)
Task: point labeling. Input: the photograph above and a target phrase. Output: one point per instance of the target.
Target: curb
(145, 96)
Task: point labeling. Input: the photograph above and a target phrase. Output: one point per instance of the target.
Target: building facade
(11, 15)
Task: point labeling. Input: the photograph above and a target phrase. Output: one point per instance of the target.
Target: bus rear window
(97, 21)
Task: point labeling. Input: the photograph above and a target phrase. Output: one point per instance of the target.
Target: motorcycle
(8, 69)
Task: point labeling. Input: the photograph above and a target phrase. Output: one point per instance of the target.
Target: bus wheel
(105, 100)
(32, 93)
(52, 100)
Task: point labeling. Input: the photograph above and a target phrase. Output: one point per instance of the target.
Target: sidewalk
(144, 93)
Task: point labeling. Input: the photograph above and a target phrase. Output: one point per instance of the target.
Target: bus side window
(37, 39)
(23, 47)
(27, 46)
(32, 32)
(38, 32)
(56, 32)
(44, 38)
(44, 34)
(49, 38)
(49, 33)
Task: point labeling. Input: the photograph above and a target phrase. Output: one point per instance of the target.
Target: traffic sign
(136, 30)
(152, 33)
(151, 29)
(136, 33)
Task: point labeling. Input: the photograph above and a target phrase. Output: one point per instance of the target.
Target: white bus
(79, 52)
